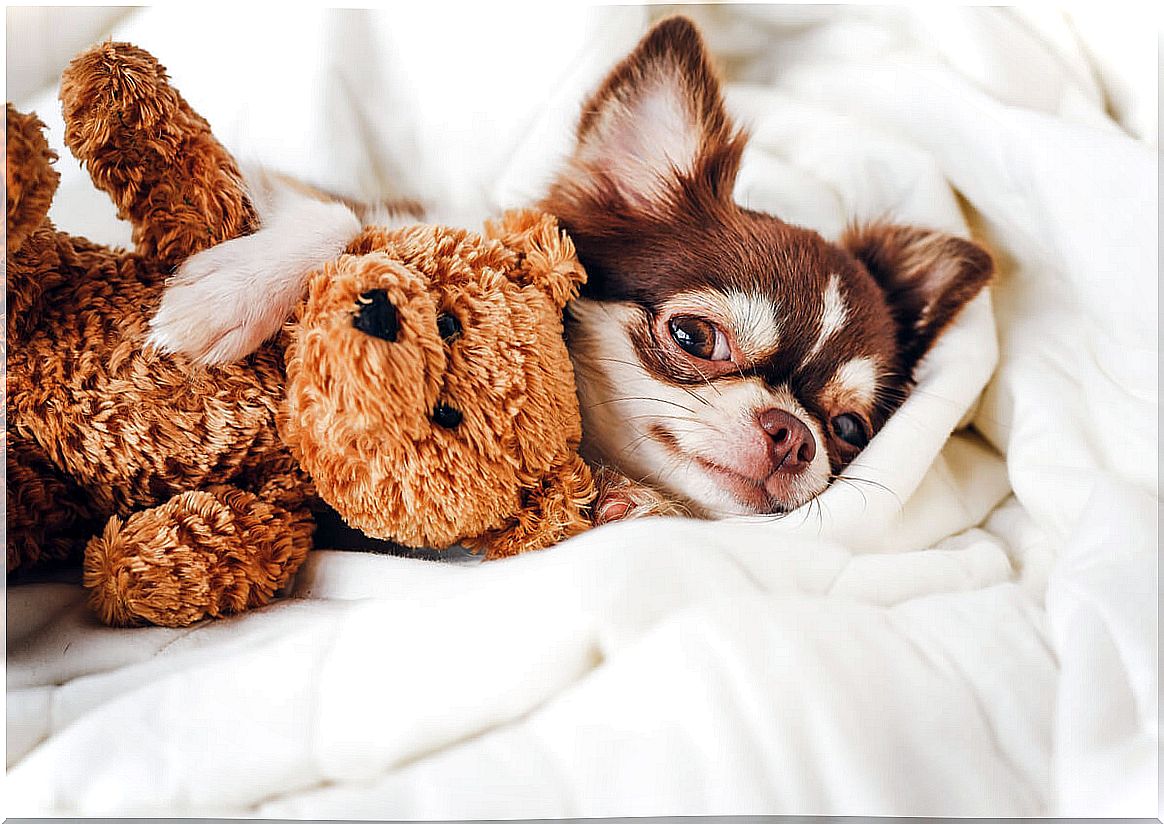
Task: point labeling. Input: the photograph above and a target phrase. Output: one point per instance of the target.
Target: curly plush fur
(190, 489)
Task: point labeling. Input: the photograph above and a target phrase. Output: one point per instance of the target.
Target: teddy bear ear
(547, 257)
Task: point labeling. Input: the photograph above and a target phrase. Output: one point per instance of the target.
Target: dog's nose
(792, 441)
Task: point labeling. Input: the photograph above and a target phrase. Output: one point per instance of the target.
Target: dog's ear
(655, 127)
(927, 277)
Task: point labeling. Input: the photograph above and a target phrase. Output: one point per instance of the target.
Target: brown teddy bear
(423, 389)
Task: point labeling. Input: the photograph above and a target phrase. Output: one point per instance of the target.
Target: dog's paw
(620, 499)
(217, 308)
(223, 302)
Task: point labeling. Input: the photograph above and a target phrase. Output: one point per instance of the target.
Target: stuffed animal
(423, 388)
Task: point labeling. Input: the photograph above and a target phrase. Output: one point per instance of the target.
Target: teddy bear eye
(448, 326)
(376, 316)
(445, 416)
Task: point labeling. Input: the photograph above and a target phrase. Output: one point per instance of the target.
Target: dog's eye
(448, 326)
(700, 338)
(851, 430)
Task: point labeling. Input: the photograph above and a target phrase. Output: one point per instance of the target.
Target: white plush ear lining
(225, 301)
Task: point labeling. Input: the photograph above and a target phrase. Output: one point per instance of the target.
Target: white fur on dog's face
(702, 443)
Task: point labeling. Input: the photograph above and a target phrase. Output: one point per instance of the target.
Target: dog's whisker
(853, 480)
(640, 398)
(702, 376)
(654, 417)
(633, 446)
(695, 395)
(860, 492)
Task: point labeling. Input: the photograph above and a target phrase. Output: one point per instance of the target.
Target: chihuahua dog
(727, 362)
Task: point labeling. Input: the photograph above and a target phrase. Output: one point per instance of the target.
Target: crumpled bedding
(966, 628)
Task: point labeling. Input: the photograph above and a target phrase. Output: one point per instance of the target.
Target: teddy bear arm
(47, 520)
(152, 154)
(556, 509)
(29, 176)
(201, 554)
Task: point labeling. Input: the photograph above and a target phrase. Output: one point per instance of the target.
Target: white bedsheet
(978, 638)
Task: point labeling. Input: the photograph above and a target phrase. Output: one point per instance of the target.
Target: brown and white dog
(727, 362)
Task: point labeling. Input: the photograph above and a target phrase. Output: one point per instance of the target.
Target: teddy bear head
(428, 384)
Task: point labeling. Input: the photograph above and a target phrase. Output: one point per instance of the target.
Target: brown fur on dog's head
(429, 391)
(790, 323)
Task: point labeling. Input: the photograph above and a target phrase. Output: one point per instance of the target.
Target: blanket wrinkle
(178, 637)
(314, 723)
(952, 672)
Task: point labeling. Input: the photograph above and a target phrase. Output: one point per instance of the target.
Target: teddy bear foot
(200, 554)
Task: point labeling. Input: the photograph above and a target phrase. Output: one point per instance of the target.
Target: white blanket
(975, 637)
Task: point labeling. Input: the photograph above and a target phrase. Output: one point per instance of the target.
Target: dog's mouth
(748, 491)
(768, 495)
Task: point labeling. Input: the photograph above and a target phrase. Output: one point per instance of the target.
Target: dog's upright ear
(655, 130)
(927, 277)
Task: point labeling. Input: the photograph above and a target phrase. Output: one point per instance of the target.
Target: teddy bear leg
(45, 516)
(554, 511)
(152, 153)
(201, 554)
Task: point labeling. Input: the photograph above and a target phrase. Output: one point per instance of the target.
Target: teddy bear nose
(376, 316)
